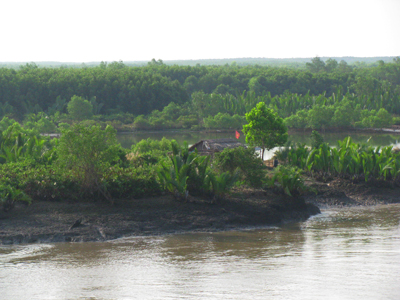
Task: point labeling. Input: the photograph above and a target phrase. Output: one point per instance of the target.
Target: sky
(131, 30)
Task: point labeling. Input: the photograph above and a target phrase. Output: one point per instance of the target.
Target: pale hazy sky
(88, 30)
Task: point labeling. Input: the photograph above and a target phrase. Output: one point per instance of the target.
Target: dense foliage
(158, 96)
(347, 160)
(265, 128)
(88, 164)
(85, 103)
(245, 161)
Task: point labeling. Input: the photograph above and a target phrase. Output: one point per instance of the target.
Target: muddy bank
(342, 193)
(47, 222)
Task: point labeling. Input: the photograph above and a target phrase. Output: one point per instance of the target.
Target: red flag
(237, 134)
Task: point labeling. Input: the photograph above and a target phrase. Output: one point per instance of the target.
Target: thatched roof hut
(209, 147)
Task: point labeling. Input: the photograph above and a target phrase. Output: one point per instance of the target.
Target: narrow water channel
(191, 137)
(347, 253)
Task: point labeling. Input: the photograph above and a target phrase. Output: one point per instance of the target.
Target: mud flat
(49, 222)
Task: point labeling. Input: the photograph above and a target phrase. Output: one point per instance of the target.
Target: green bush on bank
(86, 163)
(251, 169)
(55, 184)
(9, 195)
(289, 180)
(40, 182)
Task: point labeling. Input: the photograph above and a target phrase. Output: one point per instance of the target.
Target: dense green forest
(322, 93)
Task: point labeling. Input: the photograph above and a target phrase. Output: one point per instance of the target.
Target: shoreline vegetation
(84, 186)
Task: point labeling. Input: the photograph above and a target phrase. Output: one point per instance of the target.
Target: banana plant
(297, 155)
(368, 165)
(221, 184)
(174, 177)
(385, 168)
(36, 148)
(320, 159)
(197, 181)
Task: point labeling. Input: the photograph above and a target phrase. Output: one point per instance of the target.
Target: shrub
(141, 123)
(40, 182)
(224, 120)
(251, 168)
(56, 184)
(298, 120)
(149, 146)
(40, 123)
(130, 182)
(9, 195)
(87, 152)
(187, 121)
(288, 179)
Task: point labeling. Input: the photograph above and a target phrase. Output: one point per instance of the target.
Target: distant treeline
(118, 88)
(296, 62)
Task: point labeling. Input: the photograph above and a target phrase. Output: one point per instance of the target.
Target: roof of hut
(216, 145)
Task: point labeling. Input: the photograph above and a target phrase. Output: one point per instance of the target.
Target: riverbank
(343, 193)
(48, 222)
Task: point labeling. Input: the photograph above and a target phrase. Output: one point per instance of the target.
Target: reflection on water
(128, 139)
(357, 137)
(340, 254)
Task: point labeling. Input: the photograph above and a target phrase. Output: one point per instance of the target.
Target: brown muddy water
(346, 253)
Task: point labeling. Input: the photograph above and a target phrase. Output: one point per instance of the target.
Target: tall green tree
(317, 65)
(265, 128)
(79, 108)
(331, 64)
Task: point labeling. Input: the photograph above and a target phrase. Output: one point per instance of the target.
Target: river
(343, 253)
(192, 137)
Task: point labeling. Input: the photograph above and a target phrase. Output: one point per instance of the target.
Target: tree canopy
(265, 128)
(140, 97)
(79, 108)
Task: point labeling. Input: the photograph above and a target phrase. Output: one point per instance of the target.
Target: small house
(209, 147)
